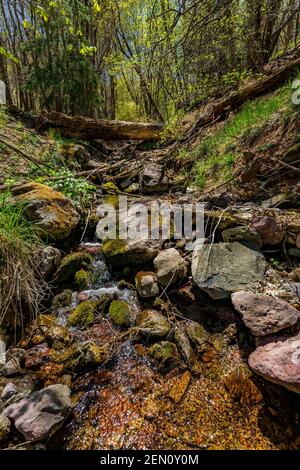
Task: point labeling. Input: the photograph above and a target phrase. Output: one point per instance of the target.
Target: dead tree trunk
(91, 129)
(219, 109)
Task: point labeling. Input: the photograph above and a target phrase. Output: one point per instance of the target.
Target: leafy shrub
(77, 189)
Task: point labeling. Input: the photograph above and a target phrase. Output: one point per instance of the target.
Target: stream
(132, 402)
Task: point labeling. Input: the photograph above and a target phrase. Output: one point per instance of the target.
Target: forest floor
(167, 369)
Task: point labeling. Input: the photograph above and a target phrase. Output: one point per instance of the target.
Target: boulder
(49, 258)
(242, 233)
(153, 324)
(279, 362)
(224, 268)
(263, 314)
(84, 314)
(153, 179)
(120, 313)
(11, 368)
(146, 285)
(54, 214)
(123, 253)
(76, 156)
(9, 391)
(270, 232)
(41, 414)
(70, 265)
(170, 267)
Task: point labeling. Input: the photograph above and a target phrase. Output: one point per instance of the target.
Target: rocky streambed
(144, 345)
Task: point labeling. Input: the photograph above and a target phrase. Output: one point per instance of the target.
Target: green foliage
(20, 283)
(14, 227)
(215, 156)
(77, 189)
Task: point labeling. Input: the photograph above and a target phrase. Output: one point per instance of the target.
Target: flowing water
(133, 403)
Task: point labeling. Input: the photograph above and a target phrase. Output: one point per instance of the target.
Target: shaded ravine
(133, 403)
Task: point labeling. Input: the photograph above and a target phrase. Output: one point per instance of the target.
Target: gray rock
(49, 260)
(279, 363)
(263, 314)
(242, 233)
(224, 268)
(153, 324)
(11, 368)
(153, 179)
(4, 427)
(170, 267)
(42, 413)
(9, 391)
(146, 284)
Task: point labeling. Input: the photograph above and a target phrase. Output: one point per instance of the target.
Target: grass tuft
(21, 286)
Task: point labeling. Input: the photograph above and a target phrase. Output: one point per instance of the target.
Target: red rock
(35, 356)
(279, 363)
(264, 314)
(270, 232)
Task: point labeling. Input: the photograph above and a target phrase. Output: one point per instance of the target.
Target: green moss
(82, 279)
(122, 255)
(110, 187)
(164, 352)
(119, 313)
(113, 248)
(84, 314)
(70, 264)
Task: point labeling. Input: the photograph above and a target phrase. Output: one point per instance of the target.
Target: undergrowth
(21, 288)
(217, 153)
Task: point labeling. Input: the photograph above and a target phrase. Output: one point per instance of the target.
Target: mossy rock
(54, 214)
(197, 334)
(164, 352)
(78, 356)
(82, 279)
(110, 187)
(62, 300)
(125, 253)
(84, 313)
(70, 264)
(119, 313)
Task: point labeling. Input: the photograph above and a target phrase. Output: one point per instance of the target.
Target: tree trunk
(86, 128)
(219, 109)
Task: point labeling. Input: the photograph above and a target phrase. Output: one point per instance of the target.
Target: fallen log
(91, 129)
(219, 109)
